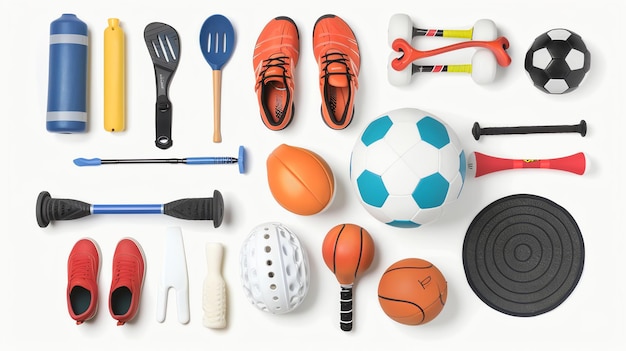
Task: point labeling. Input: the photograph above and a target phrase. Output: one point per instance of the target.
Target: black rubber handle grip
(49, 209)
(346, 308)
(163, 122)
(198, 208)
(580, 128)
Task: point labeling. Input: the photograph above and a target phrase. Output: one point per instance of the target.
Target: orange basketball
(300, 180)
(348, 251)
(412, 291)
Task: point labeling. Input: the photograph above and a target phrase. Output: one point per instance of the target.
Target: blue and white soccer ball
(406, 166)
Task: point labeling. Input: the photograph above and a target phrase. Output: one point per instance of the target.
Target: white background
(33, 260)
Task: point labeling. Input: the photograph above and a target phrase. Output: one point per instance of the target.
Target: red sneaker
(337, 53)
(83, 266)
(275, 58)
(127, 280)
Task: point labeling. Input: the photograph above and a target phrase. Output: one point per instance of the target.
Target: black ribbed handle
(49, 209)
(346, 308)
(198, 208)
(580, 128)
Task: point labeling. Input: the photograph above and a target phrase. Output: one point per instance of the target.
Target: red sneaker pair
(275, 58)
(83, 267)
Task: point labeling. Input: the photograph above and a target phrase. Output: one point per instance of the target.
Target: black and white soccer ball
(557, 61)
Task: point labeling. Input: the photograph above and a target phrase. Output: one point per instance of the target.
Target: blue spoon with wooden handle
(217, 42)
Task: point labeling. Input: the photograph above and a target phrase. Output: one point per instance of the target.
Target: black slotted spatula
(164, 47)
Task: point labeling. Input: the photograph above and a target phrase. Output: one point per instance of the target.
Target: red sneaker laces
(125, 268)
(81, 268)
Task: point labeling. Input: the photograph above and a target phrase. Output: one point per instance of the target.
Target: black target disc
(523, 255)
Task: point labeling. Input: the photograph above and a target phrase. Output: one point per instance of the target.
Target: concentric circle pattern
(523, 255)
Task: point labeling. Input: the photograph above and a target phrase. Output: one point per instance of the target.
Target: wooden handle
(214, 290)
(217, 105)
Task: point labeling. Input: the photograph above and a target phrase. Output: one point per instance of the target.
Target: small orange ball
(412, 291)
(300, 180)
(348, 251)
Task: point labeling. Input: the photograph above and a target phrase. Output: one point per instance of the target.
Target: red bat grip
(485, 164)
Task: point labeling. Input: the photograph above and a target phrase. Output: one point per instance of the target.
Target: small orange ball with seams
(412, 291)
(300, 180)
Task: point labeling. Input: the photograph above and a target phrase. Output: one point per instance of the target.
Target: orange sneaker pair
(83, 267)
(275, 58)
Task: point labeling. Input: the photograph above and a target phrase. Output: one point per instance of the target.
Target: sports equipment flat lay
(378, 210)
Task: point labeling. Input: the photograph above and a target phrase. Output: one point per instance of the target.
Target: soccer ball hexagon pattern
(406, 166)
(557, 61)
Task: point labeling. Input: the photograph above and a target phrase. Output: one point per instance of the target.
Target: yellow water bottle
(114, 77)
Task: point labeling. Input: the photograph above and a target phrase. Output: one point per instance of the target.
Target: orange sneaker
(83, 266)
(337, 53)
(127, 281)
(275, 58)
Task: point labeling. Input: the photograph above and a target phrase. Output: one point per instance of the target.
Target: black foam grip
(197, 208)
(346, 309)
(49, 209)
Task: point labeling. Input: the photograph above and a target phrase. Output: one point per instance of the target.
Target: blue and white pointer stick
(240, 159)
